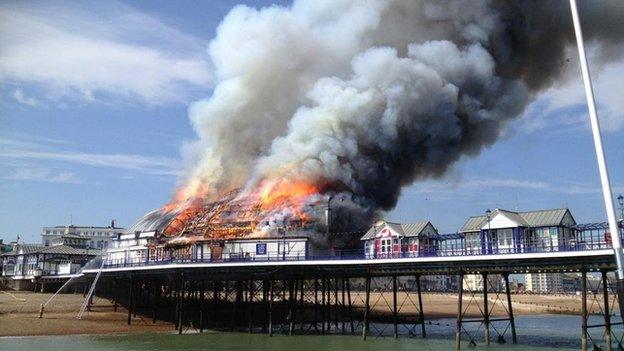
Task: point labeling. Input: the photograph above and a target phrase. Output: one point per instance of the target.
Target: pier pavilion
(504, 231)
(387, 239)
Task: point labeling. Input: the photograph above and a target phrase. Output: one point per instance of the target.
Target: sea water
(546, 332)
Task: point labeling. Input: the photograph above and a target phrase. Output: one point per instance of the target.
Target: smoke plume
(364, 97)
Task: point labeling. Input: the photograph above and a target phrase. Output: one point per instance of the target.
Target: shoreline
(19, 312)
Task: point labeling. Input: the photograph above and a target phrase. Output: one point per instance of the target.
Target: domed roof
(156, 220)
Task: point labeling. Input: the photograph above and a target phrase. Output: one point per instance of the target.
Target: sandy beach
(19, 311)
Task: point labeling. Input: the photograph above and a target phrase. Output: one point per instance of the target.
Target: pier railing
(539, 246)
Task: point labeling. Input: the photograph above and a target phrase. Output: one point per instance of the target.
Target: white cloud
(478, 185)
(565, 106)
(506, 183)
(18, 94)
(16, 149)
(40, 174)
(98, 50)
(144, 164)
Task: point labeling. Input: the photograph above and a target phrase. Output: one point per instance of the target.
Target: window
(505, 237)
(386, 245)
(473, 242)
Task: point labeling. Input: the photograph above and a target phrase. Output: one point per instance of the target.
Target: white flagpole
(602, 164)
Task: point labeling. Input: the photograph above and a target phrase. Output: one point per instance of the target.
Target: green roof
(539, 218)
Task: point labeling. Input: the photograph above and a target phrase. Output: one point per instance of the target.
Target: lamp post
(602, 163)
(620, 199)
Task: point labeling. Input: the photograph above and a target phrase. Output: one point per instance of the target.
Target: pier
(346, 295)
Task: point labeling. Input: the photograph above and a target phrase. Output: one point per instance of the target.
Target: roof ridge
(544, 210)
(504, 210)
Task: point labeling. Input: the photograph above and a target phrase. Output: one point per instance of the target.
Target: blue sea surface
(546, 332)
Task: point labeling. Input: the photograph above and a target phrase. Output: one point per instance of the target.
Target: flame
(185, 195)
(176, 201)
(285, 193)
(237, 213)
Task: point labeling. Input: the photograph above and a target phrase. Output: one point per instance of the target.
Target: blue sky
(93, 114)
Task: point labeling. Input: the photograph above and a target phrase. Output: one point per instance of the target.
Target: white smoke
(364, 97)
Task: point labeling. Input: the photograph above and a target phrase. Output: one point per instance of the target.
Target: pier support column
(201, 306)
(181, 303)
(116, 298)
(486, 310)
(366, 307)
(323, 309)
(215, 303)
(458, 327)
(584, 311)
(343, 307)
(301, 305)
(328, 305)
(155, 291)
(316, 301)
(250, 301)
(512, 321)
(395, 312)
(270, 307)
(350, 309)
(421, 312)
(265, 303)
(292, 295)
(336, 306)
(131, 299)
(176, 296)
(238, 299)
(607, 311)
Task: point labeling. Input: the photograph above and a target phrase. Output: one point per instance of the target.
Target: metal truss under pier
(373, 298)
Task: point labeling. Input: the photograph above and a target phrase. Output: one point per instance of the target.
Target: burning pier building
(238, 225)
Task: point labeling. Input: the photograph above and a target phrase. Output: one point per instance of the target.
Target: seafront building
(97, 237)
(63, 251)
(474, 282)
(544, 283)
(30, 266)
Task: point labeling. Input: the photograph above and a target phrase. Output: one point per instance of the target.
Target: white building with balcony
(31, 264)
(543, 283)
(97, 237)
(129, 248)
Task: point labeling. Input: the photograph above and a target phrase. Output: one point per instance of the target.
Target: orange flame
(285, 193)
(268, 196)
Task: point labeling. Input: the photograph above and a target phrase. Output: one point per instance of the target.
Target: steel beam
(584, 311)
(421, 312)
(366, 307)
(512, 321)
(458, 327)
(486, 311)
(395, 312)
(607, 311)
